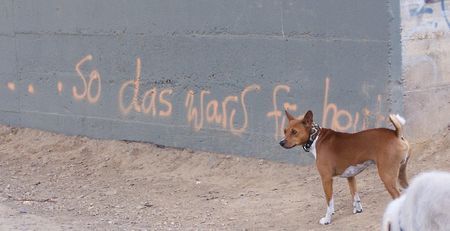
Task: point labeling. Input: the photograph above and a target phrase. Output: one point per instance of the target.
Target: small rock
(22, 211)
(27, 202)
(148, 205)
(111, 192)
(94, 213)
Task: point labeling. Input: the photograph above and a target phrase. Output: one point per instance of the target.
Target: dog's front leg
(327, 183)
(357, 207)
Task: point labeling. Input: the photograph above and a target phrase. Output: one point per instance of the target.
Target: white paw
(357, 207)
(325, 220)
(355, 210)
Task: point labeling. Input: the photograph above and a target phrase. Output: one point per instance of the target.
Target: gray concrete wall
(426, 66)
(207, 75)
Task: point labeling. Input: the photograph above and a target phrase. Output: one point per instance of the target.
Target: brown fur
(336, 151)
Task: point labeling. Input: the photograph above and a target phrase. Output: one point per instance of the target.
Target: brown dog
(346, 155)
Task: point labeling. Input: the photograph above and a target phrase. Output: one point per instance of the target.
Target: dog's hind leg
(392, 188)
(357, 207)
(389, 178)
(402, 179)
(327, 183)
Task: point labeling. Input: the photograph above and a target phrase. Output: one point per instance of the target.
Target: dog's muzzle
(283, 144)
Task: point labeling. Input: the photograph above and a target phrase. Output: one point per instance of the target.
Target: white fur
(392, 215)
(400, 119)
(405, 158)
(357, 207)
(330, 211)
(313, 148)
(424, 206)
(354, 170)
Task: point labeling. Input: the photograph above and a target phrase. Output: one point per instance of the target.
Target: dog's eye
(285, 131)
(294, 132)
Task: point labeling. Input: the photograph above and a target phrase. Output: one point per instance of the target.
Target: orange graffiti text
(151, 99)
(86, 92)
(209, 111)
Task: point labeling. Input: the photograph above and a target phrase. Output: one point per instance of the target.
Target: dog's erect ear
(308, 117)
(289, 116)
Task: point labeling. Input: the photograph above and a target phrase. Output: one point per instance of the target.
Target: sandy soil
(55, 182)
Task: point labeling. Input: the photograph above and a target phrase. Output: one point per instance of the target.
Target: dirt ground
(54, 182)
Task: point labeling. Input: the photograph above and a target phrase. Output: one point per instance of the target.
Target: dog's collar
(315, 129)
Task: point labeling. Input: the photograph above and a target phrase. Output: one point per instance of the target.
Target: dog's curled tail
(398, 122)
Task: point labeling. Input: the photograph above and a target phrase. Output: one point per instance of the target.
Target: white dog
(425, 205)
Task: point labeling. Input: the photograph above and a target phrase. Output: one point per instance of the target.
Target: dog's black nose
(283, 142)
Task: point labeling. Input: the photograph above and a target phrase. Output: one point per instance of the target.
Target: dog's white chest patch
(356, 169)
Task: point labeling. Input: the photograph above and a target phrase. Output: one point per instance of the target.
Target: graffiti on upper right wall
(426, 65)
(425, 16)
